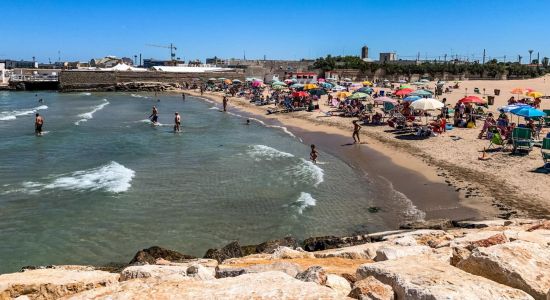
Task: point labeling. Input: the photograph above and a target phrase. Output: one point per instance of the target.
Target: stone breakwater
(499, 259)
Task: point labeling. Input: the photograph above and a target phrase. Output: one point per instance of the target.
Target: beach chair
(497, 140)
(545, 151)
(388, 108)
(522, 139)
(370, 108)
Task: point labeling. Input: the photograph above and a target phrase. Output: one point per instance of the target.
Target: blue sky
(282, 29)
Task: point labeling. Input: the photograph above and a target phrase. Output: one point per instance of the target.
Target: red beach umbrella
(472, 99)
(404, 92)
(299, 94)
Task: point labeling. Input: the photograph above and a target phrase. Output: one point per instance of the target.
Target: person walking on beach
(38, 122)
(154, 115)
(225, 100)
(314, 154)
(183, 96)
(356, 128)
(177, 122)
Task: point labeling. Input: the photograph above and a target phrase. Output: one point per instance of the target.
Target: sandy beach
(505, 185)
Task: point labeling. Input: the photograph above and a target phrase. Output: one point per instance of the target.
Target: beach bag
(471, 125)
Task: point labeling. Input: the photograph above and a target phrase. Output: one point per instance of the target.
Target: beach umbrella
(381, 100)
(236, 81)
(317, 92)
(418, 83)
(473, 99)
(211, 79)
(358, 95)
(221, 78)
(400, 81)
(367, 90)
(412, 98)
(367, 83)
(404, 92)
(257, 83)
(343, 94)
(405, 86)
(278, 87)
(421, 93)
(427, 104)
(227, 81)
(299, 94)
(528, 112)
(297, 86)
(424, 80)
(310, 86)
(320, 80)
(288, 81)
(535, 94)
(327, 85)
(278, 83)
(508, 108)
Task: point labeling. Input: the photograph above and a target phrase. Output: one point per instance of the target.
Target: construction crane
(172, 48)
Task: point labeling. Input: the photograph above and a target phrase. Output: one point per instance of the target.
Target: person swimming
(247, 122)
(313, 154)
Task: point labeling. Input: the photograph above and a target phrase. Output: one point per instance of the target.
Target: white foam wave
(310, 170)
(411, 212)
(214, 107)
(86, 94)
(12, 115)
(90, 115)
(263, 152)
(139, 96)
(304, 201)
(112, 177)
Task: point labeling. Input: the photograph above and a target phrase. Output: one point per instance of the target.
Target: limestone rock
(288, 268)
(229, 272)
(518, 264)
(287, 253)
(422, 277)
(428, 224)
(267, 285)
(313, 274)
(542, 225)
(473, 236)
(496, 239)
(200, 272)
(539, 236)
(338, 283)
(146, 271)
(231, 250)
(371, 288)
(394, 252)
(152, 254)
(367, 250)
(483, 224)
(54, 282)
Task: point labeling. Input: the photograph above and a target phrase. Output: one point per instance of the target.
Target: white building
(3, 77)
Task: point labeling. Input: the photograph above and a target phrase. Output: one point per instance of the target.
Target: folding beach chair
(545, 151)
(497, 140)
(388, 107)
(547, 118)
(521, 139)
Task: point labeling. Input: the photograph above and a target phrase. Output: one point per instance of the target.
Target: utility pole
(530, 56)
(445, 57)
(519, 59)
(538, 59)
(504, 58)
(483, 56)
(140, 64)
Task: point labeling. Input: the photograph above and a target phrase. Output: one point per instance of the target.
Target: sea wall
(437, 259)
(77, 81)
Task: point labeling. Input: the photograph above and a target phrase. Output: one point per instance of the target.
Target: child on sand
(356, 128)
(314, 154)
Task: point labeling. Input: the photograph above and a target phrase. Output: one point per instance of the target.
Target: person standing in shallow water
(154, 115)
(356, 128)
(313, 154)
(225, 100)
(38, 122)
(177, 122)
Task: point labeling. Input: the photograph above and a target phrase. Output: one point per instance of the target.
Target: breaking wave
(12, 115)
(90, 115)
(262, 152)
(112, 177)
(304, 201)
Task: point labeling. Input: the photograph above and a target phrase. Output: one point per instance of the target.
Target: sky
(83, 29)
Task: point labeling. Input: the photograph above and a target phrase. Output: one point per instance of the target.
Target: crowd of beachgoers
(487, 129)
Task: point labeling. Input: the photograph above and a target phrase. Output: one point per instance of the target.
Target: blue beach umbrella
(528, 112)
(327, 85)
(421, 93)
(367, 90)
(510, 107)
(412, 98)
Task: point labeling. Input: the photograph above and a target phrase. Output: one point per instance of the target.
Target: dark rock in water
(150, 255)
(229, 272)
(231, 250)
(112, 267)
(333, 242)
(439, 224)
(271, 245)
(27, 268)
(249, 250)
(374, 209)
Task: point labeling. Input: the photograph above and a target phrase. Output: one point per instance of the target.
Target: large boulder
(287, 253)
(372, 289)
(202, 269)
(423, 277)
(53, 282)
(390, 252)
(267, 285)
(289, 268)
(339, 284)
(152, 254)
(271, 245)
(364, 251)
(332, 242)
(518, 264)
(231, 250)
(313, 274)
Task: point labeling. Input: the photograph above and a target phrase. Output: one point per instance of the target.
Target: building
(105, 62)
(386, 57)
(3, 77)
(364, 52)
(151, 62)
(13, 64)
(303, 77)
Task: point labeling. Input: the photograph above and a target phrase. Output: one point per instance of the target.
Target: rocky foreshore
(497, 259)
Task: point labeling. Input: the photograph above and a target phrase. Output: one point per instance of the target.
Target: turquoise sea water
(103, 183)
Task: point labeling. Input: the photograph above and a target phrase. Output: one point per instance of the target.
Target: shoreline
(431, 191)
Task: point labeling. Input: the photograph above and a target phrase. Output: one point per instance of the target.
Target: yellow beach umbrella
(535, 94)
(343, 94)
(310, 86)
(367, 83)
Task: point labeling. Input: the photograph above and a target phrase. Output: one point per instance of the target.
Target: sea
(102, 182)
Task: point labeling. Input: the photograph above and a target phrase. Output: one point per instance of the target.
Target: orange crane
(172, 48)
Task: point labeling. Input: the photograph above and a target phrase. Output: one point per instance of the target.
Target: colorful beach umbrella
(257, 83)
(236, 81)
(343, 94)
(367, 83)
(528, 112)
(278, 83)
(404, 92)
(412, 98)
(421, 93)
(327, 85)
(299, 94)
(517, 91)
(359, 95)
(381, 100)
(473, 99)
(297, 86)
(367, 90)
(310, 86)
(278, 87)
(427, 104)
(535, 94)
(317, 92)
(508, 108)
